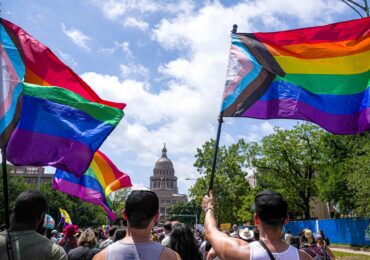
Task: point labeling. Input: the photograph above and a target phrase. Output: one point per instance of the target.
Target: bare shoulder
(102, 255)
(304, 256)
(169, 254)
(234, 249)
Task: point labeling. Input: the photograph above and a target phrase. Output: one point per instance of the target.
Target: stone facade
(164, 184)
(33, 175)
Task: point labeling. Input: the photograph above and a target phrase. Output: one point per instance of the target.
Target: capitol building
(164, 183)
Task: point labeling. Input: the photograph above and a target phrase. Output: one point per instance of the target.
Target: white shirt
(259, 253)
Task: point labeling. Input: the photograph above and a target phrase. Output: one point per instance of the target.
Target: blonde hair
(308, 234)
(87, 238)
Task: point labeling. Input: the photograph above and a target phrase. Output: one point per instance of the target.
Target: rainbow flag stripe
(59, 128)
(100, 179)
(45, 69)
(13, 71)
(319, 74)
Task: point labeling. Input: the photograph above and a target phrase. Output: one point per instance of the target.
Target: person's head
(247, 235)
(295, 241)
(160, 237)
(141, 209)
(271, 210)
(120, 233)
(235, 228)
(319, 239)
(70, 230)
(54, 233)
(30, 209)
(111, 231)
(182, 241)
(167, 227)
(87, 238)
(307, 238)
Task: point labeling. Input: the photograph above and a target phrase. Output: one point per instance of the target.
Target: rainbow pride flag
(12, 74)
(59, 128)
(100, 179)
(45, 69)
(319, 74)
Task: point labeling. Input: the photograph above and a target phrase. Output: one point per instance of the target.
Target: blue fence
(353, 231)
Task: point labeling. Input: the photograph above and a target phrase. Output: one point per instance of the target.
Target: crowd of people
(142, 238)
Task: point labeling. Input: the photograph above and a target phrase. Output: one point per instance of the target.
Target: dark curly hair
(182, 241)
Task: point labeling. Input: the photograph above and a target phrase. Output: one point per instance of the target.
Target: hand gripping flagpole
(220, 121)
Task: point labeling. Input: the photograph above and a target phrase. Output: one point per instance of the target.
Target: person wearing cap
(271, 213)
(142, 213)
(23, 241)
(69, 241)
(247, 235)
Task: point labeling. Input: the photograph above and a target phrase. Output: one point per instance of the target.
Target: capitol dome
(164, 162)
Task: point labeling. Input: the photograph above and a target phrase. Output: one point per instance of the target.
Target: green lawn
(349, 256)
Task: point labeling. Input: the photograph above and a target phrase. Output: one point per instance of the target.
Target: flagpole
(3, 154)
(5, 187)
(220, 121)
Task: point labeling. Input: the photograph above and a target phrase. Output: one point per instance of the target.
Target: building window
(168, 201)
(163, 210)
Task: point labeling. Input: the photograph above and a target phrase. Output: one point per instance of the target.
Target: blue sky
(167, 61)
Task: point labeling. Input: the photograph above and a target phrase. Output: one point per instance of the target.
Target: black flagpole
(220, 121)
(5, 187)
(3, 163)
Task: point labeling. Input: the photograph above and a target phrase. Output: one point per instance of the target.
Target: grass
(349, 256)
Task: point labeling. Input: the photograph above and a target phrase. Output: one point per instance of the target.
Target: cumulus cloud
(134, 70)
(124, 47)
(79, 38)
(115, 9)
(112, 9)
(183, 110)
(136, 23)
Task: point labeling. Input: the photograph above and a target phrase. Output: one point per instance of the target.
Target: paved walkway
(349, 251)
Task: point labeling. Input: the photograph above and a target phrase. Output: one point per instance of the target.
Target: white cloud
(139, 186)
(119, 46)
(67, 59)
(267, 128)
(136, 23)
(112, 9)
(183, 110)
(134, 71)
(77, 37)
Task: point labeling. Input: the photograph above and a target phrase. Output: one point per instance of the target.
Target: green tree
(345, 179)
(185, 212)
(118, 199)
(288, 161)
(230, 185)
(16, 185)
(82, 213)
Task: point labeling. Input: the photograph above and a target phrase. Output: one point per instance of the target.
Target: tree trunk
(307, 214)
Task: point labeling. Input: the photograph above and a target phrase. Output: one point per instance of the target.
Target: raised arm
(224, 246)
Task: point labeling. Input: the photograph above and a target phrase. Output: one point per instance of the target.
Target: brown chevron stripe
(251, 94)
